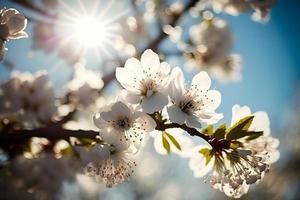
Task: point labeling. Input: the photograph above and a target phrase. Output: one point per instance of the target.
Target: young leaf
(236, 144)
(207, 154)
(254, 134)
(209, 130)
(67, 151)
(166, 143)
(220, 132)
(235, 131)
(173, 140)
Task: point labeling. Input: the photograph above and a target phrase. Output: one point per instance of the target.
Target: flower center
(148, 88)
(123, 123)
(149, 93)
(186, 106)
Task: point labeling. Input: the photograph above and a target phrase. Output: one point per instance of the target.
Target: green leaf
(237, 130)
(209, 130)
(67, 151)
(166, 143)
(220, 132)
(236, 144)
(87, 142)
(173, 140)
(254, 134)
(207, 154)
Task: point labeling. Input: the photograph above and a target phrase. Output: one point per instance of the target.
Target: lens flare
(90, 32)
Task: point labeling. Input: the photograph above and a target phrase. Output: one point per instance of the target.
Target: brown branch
(52, 133)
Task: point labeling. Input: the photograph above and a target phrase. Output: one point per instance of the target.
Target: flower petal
(176, 115)
(261, 122)
(239, 112)
(145, 121)
(120, 109)
(198, 164)
(129, 97)
(177, 85)
(213, 99)
(19, 35)
(127, 79)
(154, 103)
(149, 59)
(16, 23)
(202, 81)
(193, 121)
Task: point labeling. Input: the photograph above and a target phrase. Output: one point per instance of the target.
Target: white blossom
(30, 98)
(213, 40)
(12, 25)
(124, 123)
(211, 50)
(145, 81)
(265, 145)
(262, 9)
(231, 170)
(110, 164)
(84, 85)
(229, 69)
(196, 104)
(232, 7)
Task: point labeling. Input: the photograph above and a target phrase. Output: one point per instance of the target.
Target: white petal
(193, 121)
(176, 115)
(239, 112)
(142, 118)
(274, 157)
(177, 85)
(197, 163)
(107, 116)
(120, 109)
(261, 122)
(129, 97)
(133, 64)
(19, 35)
(165, 68)
(210, 117)
(126, 79)
(213, 99)
(7, 14)
(16, 23)
(149, 59)
(202, 81)
(154, 103)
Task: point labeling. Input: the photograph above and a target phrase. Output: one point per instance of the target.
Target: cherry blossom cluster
(156, 101)
(261, 8)
(210, 50)
(12, 26)
(27, 99)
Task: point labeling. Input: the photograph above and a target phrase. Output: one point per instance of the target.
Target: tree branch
(52, 133)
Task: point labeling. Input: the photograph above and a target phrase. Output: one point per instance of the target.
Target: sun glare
(90, 32)
(91, 28)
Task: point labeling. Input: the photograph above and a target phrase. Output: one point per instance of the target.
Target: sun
(90, 31)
